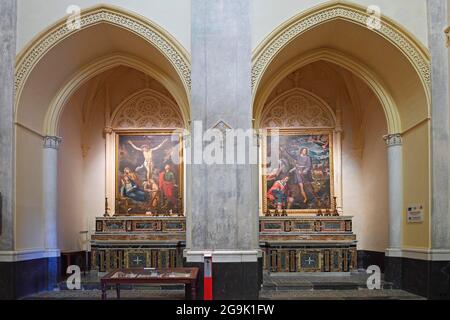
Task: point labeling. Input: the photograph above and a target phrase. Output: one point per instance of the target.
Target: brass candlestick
(107, 209)
(180, 207)
(335, 211)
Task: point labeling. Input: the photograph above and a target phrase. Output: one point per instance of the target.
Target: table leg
(193, 291)
(187, 291)
(103, 291)
(118, 291)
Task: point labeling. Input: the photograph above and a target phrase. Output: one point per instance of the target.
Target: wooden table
(186, 276)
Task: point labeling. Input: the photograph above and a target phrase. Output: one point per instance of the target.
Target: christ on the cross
(148, 157)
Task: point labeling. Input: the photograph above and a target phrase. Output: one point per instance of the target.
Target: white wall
(34, 16)
(82, 177)
(269, 14)
(374, 233)
(364, 176)
(72, 213)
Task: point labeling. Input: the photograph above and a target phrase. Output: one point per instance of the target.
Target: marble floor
(358, 294)
(276, 286)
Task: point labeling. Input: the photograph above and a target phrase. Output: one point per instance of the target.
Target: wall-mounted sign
(414, 214)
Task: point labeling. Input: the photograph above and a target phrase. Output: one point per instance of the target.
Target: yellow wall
(29, 220)
(416, 184)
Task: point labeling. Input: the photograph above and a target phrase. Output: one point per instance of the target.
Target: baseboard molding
(31, 254)
(223, 256)
(419, 253)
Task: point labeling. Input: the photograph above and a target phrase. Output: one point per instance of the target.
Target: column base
(236, 275)
(53, 272)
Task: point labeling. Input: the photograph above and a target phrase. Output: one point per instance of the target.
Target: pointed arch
(138, 25)
(406, 43)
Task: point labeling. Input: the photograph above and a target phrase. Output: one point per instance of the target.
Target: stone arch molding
(298, 108)
(283, 35)
(146, 109)
(147, 30)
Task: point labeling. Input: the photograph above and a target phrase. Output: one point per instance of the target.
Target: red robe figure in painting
(279, 194)
(167, 184)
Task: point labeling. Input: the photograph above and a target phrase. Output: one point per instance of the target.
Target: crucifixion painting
(148, 172)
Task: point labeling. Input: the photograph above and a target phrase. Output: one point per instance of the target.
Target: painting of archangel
(148, 173)
(299, 179)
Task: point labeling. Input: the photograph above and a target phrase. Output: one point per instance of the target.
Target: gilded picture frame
(282, 183)
(149, 176)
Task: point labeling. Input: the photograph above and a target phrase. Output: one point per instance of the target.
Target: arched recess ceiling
(56, 56)
(100, 66)
(398, 62)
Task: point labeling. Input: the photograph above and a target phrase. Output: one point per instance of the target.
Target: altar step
(318, 281)
(271, 282)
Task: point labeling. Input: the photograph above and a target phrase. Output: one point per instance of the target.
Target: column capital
(108, 130)
(338, 129)
(394, 139)
(52, 142)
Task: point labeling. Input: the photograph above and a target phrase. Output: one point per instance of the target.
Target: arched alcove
(120, 100)
(110, 44)
(375, 70)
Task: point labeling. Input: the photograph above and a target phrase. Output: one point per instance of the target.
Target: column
(393, 262)
(109, 169)
(338, 187)
(439, 253)
(222, 207)
(110, 156)
(8, 16)
(440, 219)
(50, 206)
(395, 188)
